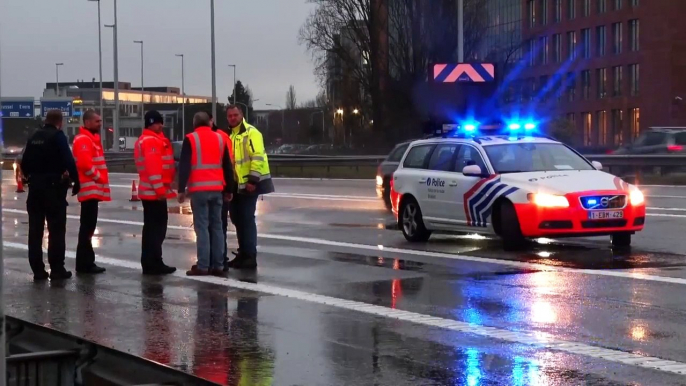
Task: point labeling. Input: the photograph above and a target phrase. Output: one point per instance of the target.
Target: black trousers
(85, 254)
(47, 204)
(155, 219)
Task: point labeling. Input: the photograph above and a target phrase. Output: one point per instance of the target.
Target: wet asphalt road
(305, 317)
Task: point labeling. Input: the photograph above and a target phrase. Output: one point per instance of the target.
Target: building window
(544, 12)
(587, 8)
(586, 43)
(531, 10)
(602, 6)
(571, 9)
(558, 10)
(617, 81)
(634, 34)
(557, 49)
(634, 70)
(617, 38)
(571, 44)
(618, 4)
(601, 122)
(635, 122)
(587, 120)
(601, 76)
(571, 87)
(601, 39)
(617, 127)
(543, 50)
(586, 84)
(634, 3)
(532, 52)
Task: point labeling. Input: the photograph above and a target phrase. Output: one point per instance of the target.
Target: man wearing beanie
(155, 163)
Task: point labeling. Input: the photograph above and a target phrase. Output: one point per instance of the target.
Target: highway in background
(339, 299)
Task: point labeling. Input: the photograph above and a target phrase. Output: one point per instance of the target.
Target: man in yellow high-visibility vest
(252, 179)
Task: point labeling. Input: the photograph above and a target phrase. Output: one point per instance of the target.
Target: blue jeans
(242, 213)
(207, 208)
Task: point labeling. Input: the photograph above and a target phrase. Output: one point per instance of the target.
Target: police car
(516, 185)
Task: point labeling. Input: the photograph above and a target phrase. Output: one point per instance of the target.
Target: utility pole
(234, 82)
(142, 84)
(102, 112)
(3, 364)
(460, 31)
(183, 96)
(214, 70)
(115, 139)
(57, 78)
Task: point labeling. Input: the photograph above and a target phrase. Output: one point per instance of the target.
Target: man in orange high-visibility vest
(206, 174)
(153, 159)
(90, 162)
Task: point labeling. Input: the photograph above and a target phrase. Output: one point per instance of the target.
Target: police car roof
(489, 140)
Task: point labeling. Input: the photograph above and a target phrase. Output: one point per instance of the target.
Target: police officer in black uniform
(49, 166)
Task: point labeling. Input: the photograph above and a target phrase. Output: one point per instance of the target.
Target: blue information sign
(67, 107)
(17, 109)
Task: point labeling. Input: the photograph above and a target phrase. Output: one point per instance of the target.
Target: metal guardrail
(42, 368)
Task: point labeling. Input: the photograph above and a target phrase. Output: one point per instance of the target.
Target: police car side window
(442, 158)
(468, 155)
(417, 157)
(397, 154)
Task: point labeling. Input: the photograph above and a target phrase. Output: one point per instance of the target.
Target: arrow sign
(464, 72)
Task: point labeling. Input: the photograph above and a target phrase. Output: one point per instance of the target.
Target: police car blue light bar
(514, 126)
(469, 127)
(529, 126)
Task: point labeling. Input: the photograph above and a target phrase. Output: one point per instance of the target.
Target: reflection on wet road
(339, 299)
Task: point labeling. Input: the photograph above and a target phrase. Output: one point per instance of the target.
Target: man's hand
(228, 197)
(250, 187)
(182, 198)
(75, 189)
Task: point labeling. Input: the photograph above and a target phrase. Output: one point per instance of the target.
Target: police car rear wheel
(412, 223)
(510, 231)
(622, 239)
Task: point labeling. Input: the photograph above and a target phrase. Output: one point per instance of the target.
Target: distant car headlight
(379, 180)
(636, 197)
(548, 200)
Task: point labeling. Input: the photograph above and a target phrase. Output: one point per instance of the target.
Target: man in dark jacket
(46, 162)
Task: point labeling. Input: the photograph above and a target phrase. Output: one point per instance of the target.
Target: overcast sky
(260, 36)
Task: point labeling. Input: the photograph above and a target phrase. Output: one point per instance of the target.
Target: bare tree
(309, 104)
(291, 101)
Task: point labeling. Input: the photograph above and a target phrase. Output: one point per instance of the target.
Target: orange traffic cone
(20, 186)
(134, 192)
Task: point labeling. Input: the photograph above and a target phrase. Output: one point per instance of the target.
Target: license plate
(605, 215)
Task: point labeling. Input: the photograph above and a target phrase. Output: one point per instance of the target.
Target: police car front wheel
(411, 222)
(621, 239)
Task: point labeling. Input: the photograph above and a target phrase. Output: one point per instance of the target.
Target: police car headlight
(548, 200)
(636, 197)
(379, 180)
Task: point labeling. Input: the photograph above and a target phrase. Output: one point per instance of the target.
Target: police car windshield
(534, 157)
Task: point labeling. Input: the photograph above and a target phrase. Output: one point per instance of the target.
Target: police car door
(441, 184)
(469, 210)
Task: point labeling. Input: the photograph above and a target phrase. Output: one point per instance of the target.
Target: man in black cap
(46, 160)
(154, 161)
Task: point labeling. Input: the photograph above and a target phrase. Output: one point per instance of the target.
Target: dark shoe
(40, 276)
(62, 274)
(94, 270)
(219, 272)
(235, 262)
(246, 262)
(195, 271)
(159, 270)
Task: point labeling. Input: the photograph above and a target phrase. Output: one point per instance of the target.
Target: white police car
(517, 186)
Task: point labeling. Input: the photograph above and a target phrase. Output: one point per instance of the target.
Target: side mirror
(597, 165)
(472, 171)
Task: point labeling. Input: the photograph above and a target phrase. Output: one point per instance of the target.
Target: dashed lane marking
(536, 339)
(624, 274)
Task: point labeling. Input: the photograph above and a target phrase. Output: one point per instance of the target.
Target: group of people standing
(222, 173)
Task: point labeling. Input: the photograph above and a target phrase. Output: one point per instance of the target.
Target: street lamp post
(214, 71)
(57, 78)
(100, 57)
(460, 31)
(234, 82)
(183, 96)
(142, 84)
(116, 81)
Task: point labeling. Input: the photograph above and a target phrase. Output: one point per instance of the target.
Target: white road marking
(536, 339)
(668, 209)
(414, 252)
